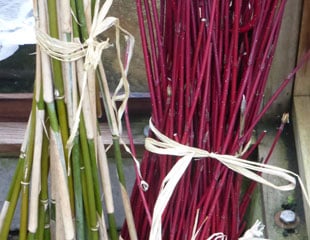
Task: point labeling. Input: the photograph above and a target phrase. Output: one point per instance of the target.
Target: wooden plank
(301, 113)
(284, 59)
(302, 83)
(12, 135)
(16, 107)
(301, 107)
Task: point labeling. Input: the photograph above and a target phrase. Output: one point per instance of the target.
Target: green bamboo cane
(43, 203)
(88, 183)
(93, 162)
(55, 135)
(76, 156)
(85, 196)
(80, 31)
(36, 167)
(91, 216)
(43, 226)
(117, 152)
(107, 189)
(60, 180)
(90, 123)
(26, 175)
(59, 91)
(95, 175)
(82, 27)
(78, 195)
(81, 19)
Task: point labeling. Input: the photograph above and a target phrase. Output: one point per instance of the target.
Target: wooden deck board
(301, 113)
(16, 107)
(12, 135)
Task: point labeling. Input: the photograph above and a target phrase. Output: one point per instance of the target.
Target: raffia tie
(91, 50)
(167, 146)
(256, 232)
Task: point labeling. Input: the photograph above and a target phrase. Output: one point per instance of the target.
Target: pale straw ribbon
(256, 232)
(167, 146)
(92, 49)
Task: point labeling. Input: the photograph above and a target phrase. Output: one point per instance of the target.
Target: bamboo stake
(79, 213)
(117, 153)
(106, 185)
(89, 184)
(43, 225)
(26, 176)
(59, 89)
(36, 167)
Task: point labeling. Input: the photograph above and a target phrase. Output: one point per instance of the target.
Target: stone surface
(7, 169)
(284, 156)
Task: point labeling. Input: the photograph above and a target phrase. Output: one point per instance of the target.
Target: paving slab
(284, 156)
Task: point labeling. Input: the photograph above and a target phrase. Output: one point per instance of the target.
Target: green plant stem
(92, 216)
(43, 208)
(119, 161)
(26, 175)
(75, 26)
(81, 19)
(122, 181)
(102, 78)
(112, 226)
(93, 162)
(78, 195)
(65, 199)
(36, 173)
(59, 92)
(106, 185)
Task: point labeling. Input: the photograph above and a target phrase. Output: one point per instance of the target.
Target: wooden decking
(15, 109)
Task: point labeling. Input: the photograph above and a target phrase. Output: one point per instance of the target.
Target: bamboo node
(60, 97)
(95, 229)
(24, 183)
(57, 95)
(44, 201)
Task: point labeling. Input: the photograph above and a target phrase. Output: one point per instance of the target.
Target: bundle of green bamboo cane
(62, 169)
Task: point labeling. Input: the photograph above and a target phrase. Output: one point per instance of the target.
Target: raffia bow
(167, 146)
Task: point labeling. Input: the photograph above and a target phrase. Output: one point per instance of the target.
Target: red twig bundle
(207, 64)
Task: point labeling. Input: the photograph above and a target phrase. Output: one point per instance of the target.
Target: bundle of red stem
(207, 64)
